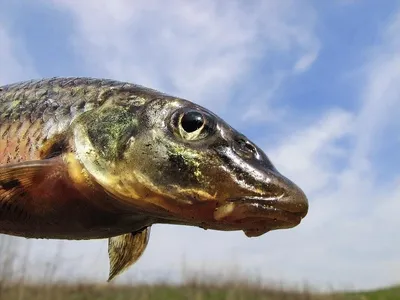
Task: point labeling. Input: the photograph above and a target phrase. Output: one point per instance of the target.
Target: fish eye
(192, 121)
(191, 124)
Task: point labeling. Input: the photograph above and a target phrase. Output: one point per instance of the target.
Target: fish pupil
(192, 121)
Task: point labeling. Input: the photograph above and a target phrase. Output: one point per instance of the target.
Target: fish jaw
(254, 214)
(258, 215)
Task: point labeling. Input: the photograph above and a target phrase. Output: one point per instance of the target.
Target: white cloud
(313, 150)
(305, 62)
(350, 237)
(198, 49)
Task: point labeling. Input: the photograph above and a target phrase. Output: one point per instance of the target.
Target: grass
(145, 292)
(390, 293)
(14, 286)
(178, 292)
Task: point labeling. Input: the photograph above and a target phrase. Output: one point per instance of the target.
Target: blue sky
(314, 83)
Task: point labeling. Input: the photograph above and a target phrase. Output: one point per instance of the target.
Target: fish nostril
(245, 148)
(251, 147)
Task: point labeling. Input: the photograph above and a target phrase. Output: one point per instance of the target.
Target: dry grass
(145, 292)
(15, 286)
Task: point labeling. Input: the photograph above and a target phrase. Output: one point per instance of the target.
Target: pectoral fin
(18, 183)
(124, 250)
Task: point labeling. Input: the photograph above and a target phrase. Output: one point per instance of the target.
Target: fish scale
(40, 106)
(20, 141)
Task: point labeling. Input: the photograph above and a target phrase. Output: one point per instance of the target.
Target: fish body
(84, 158)
(36, 118)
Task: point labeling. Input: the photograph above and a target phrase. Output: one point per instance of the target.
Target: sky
(314, 83)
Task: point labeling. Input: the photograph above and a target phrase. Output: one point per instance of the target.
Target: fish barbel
(85, 158)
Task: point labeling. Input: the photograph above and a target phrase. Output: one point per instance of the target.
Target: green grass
(194, 288)
(392, 293)
(143, 292)
(181, 292)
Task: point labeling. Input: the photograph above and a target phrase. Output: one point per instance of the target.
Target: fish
(91, 158)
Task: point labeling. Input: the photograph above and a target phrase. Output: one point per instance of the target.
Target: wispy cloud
(313, 150)
(351, 231)
(381, 102)
(197, 49)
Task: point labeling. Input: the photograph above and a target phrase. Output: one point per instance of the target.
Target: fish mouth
(258, 215)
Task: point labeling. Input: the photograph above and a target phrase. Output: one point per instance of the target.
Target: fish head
(182, 164)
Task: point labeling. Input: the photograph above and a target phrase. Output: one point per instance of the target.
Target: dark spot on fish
(5, 132)
(105, 95)
(81, 105)
(56, 149)
(53, 147)
(133, 109)
(180, 168)
(178, 162)
(19, 125)
(17, 147)
(8, 185)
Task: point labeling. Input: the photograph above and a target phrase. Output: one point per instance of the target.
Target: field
(14, 286)
(169, 292)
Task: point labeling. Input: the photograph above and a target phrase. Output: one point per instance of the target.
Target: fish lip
(273, 208)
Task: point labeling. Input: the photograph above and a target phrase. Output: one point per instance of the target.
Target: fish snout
(262, 198)
(280, 204)
(286, 194)
(292, 199)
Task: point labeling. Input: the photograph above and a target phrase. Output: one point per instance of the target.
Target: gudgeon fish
(85, 158)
